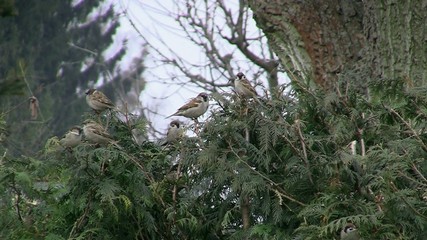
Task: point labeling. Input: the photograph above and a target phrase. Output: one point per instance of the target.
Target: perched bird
(243, 87)
(98, 101)
(349, 232)
(72, 138)
(175, 132)
(195, 108)
(95, 133)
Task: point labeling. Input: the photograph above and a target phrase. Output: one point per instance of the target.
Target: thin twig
(16, 106)
(304, 150)
(78, 223)
(29, 88)
(276, 188)
(419, 174)
(146, 173)
(395, 189)
(18, 200)
(83, 49)
(140, 166)
(415, 134)
(411, 179)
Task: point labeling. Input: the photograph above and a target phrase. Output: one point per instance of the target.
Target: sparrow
(243, 87)
(349, 232)
(175, 132)
(95, 133)
(72, 138)
(195, 108)
(98, 101)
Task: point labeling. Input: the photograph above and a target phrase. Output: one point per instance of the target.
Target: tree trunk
(319, 41)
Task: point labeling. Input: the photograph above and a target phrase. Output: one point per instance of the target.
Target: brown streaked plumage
(72, 138)
(195, 108)
(95, 133)
(98, 101)
(243, 87)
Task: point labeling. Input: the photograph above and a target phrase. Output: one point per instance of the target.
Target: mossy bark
(320, 41)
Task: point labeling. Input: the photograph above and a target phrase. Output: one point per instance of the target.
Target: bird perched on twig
(195, 108)
(349, 232)
(72, 138)
(95, 133)
(175, 132)
(243, 87)
(98, 101)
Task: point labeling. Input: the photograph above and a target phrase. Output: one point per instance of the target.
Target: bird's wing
(195, 102)
(248, 86)
(99, 130)
(100, 97)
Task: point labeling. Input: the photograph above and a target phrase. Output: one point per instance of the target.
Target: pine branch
(304, 150)
(411, 179)
(245, 204)
(275, 187)
(17, 200)
(78, 224)
(419, 174)
(146, 174)
(414, 133)
(395, 189)
(140, 166)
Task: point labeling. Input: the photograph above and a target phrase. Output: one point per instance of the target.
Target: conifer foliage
(54, 50)
(296, 167)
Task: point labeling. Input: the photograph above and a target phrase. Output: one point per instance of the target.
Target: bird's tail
(171, 115)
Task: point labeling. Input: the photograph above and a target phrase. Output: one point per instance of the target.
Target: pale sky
(150, 19)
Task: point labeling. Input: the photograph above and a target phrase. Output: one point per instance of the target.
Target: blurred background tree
(57, 49)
